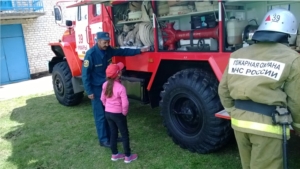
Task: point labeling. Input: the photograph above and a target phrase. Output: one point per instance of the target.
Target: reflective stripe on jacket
(268, 128)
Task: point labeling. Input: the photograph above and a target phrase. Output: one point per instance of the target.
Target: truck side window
(97, 9)
(82, 13)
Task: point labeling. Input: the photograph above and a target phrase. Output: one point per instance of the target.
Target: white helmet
(279, 20)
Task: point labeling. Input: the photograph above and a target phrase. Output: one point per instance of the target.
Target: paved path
(34, 86)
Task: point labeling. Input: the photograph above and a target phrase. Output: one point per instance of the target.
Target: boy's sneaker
(130, 158)
(118, 156)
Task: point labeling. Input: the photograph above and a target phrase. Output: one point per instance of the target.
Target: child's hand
(91, 96)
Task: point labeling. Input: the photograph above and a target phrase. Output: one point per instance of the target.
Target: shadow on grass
(44, 137)
(55, 136)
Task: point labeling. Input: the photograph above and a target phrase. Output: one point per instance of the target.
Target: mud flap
(77, 84)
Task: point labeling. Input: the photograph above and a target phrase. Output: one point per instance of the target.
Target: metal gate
(14, 62)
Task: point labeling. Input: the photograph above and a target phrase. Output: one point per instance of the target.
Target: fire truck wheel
(189, 103)
(62, 85)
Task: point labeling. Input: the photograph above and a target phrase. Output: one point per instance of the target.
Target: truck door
(82, 31)
(95, 20)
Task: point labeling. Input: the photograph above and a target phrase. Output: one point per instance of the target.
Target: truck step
(223, 114)
(136, 88)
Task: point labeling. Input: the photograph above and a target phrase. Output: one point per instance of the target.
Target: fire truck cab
(190, 43)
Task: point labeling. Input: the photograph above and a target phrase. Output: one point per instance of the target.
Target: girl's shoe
(130, 158)
(118, 156)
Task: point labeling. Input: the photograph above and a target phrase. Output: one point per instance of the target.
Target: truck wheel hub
(59, 86)
(186, 115)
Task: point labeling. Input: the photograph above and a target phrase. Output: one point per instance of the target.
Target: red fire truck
(190, 44)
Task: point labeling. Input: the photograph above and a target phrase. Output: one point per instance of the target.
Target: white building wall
(38, 32)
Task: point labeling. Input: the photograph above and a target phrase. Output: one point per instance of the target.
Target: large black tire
(188, 106)
(62, 85)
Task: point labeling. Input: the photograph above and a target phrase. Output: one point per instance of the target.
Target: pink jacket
(118, 103)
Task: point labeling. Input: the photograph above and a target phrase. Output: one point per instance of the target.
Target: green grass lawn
(37, 132)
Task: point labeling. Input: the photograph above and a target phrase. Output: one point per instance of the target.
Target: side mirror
(57, 14)
(69, 23)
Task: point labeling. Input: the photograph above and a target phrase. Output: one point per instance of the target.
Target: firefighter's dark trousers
(102, 127)
(259, 152)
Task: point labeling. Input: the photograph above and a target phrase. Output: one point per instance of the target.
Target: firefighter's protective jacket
(95, 63)
(267, 73)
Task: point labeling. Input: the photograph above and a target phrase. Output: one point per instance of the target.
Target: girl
(114, 98)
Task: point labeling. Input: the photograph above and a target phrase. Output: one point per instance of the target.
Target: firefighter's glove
(282, 116)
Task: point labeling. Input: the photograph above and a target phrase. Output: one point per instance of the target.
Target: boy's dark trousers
(118, 121)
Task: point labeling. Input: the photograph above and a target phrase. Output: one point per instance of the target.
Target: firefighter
(94, 65)
(260, 89)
